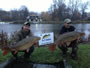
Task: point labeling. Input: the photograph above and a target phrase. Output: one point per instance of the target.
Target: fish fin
(5, 52)
(52, 47)
(15, 51)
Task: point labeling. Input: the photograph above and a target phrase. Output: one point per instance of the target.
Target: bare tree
(24, 12)
(45, 16)
(58, 9)
(74, 5)
(83, 9)
(4, 15)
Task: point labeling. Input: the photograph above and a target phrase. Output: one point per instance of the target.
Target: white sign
(46, 38)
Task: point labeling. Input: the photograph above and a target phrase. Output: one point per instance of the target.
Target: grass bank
(43, 55)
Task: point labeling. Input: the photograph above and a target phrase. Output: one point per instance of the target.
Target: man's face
(26, 28)
(67, 25)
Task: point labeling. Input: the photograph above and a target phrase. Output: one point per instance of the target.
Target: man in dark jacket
(18, 36)
(68, 28)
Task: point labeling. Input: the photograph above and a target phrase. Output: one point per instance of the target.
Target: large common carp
(22, 45)
(69, 36)
(25, 43)
(66, 37)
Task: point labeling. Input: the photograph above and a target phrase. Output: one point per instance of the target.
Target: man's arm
(15, 38)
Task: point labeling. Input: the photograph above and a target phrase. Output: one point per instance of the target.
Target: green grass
(4, 58)
(43, 55)
(84, 57)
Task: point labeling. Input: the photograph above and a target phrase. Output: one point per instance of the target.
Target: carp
(66, 38)
(25, 43)
(21, 45)
(69, 36)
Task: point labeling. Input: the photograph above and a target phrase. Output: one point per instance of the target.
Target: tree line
(59, 10)
(15, 14)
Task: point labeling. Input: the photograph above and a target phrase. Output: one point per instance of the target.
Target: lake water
(41, 28)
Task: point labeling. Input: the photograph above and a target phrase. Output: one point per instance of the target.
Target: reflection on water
(41, 28)
(36, 25)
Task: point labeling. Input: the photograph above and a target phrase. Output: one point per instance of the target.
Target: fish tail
(5, 52)
(52, 47)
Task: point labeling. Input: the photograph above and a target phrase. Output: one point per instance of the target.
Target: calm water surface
(41, 28)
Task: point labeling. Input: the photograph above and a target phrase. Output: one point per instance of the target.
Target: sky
(32, 5)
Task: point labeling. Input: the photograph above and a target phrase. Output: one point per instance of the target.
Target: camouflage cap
(67, 21)
(27, 23)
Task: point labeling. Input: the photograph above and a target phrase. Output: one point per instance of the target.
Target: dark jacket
(64, 29)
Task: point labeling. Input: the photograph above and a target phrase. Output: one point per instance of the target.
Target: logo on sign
(46, 38)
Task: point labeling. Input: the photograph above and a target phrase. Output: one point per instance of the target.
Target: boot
(74, 56)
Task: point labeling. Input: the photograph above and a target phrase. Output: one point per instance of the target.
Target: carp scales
(66, 37)
(25, 43)
(22, 45)
(69, 36)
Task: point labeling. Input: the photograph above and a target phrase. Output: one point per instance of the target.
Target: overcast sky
(32, 5)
